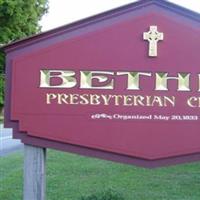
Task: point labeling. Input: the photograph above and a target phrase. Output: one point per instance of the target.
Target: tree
(18, 19)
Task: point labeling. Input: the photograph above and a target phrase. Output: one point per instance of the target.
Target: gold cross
(153, 37)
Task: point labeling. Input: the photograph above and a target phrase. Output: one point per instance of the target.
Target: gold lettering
(128, 101)
(148, 100)
(106, 99)
(50, 97)
(133, 79)
(66, 78)
(62, 98)
(157, 100)
(117, 99)
(183, 81)
(95, 99)
(192, 102)
(102, 77)
(138, 100)
(199, 82)
(74, 98)
(170, 100)
(84, 99)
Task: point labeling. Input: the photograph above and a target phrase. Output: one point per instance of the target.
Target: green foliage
(1, 90)
(1, 81)
(18, 19)
(105, 195)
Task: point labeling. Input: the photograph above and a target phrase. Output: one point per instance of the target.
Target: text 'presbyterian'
(109, 99)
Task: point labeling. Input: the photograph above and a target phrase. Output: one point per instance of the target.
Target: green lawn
(70, 176)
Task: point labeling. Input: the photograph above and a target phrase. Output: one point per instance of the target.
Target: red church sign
(123, 85)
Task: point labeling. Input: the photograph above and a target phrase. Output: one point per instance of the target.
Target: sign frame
(15, 49)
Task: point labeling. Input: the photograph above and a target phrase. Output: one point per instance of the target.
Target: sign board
(123, 85)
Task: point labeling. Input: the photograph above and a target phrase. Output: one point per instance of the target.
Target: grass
(70, 176)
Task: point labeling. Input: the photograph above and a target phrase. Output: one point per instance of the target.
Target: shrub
(105, 195)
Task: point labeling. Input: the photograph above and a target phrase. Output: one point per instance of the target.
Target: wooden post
(34, 173)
